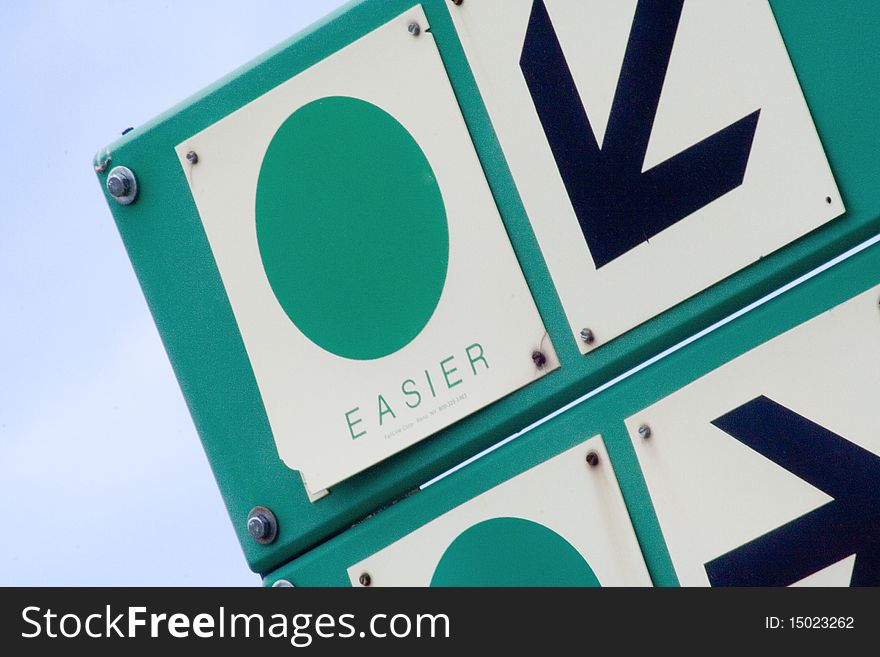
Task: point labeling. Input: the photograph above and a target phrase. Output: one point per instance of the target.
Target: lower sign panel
(766, 471)
(562, 523)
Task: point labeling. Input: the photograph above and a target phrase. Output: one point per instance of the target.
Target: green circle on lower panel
(512, 552)
(351, 228)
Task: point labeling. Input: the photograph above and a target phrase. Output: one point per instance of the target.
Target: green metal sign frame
(602, 414)
(833, 48)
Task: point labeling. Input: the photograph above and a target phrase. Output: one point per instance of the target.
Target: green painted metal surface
(602, 414)
(833, 48)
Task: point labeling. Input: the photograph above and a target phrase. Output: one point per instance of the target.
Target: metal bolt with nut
(262, 525)
(587, 336)
(645, 431)
(414, 28)
(122, 185)
(192, 157)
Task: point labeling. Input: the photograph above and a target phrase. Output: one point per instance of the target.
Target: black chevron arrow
(850, 524)
(617, 205)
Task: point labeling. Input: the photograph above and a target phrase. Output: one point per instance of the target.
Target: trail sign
(367, 266)
(658, 146)
(208, 298)
(562, 523)
(765, 471)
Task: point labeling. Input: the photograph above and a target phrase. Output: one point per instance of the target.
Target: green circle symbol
(512, 552)
(351, 228)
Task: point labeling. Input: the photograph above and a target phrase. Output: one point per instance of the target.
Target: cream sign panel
(766, 472)
(368, 269)
(561, 523)
(658, 147)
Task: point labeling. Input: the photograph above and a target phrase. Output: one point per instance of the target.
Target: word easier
(449, 373)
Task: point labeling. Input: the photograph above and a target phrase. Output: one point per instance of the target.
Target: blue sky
(103, 480)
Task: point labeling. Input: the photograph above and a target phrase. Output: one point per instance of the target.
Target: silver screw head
(118, 185)
(587, 336)
(414, 28)
(122, 185)
(192, 157)
(283, 584)
(645, 431)
(262, 525)
(258, 527)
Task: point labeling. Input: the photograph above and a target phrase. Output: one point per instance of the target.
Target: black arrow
(850, 524)
(617, 205)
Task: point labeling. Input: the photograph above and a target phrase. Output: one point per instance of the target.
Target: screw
(122, 185)
(414, 28)
(262, 525)
(365, 579)
(118, 185)
(828, 200)
(539, 359)
(645, 431)
(259, 527)
(587, 336)
(593, 459)
(192, 157)
(283, 584)
(457, 2)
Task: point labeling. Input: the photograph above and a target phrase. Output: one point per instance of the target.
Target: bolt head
(262, 525)
(645, 431)
(587, 336)
(414, 28)
(593, 459)
(192, 157)
(259, 526)
(283, 584)
(122, 185)
(365, 579)
(118, 185)
(457, 2)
